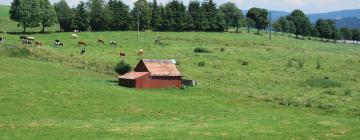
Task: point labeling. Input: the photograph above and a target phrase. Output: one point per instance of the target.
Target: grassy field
(255, 88)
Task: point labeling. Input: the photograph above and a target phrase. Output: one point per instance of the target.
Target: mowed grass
(41, 100)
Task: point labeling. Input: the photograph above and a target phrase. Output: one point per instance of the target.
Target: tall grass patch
(322, 82)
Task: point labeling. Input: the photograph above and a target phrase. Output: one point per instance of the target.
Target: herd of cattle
(29, 41)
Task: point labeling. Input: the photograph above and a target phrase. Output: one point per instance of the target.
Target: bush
(18, 52)
(301, 62)
(323, 82)
(122, 68)
(318, 66)
(347, 92)
(222, 49)
(243, 62)
(330, 92)
(201, 64)
(201, 50)
(290, 63)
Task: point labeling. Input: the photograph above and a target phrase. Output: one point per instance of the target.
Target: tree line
(114, 15)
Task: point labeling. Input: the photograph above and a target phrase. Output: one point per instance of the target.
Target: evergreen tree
(176, 14)
(98, 16)
(47, 14)
(64, 15)
(195, 12)
(155, 16)
(120, 16)
(232, 15)
(164, 19)
(26, 13)
(142, 10)
(81, 19)
(259, 16)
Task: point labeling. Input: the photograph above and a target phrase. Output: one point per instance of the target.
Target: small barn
(153, 74)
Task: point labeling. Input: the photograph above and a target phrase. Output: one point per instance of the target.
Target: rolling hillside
(249, 88)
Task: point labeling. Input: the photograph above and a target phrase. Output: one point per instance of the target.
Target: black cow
(2, 39)
(58, 43)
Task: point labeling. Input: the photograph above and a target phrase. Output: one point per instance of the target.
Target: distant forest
(114, 15)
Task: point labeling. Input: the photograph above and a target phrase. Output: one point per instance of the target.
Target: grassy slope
(8, 25)
(42, 100)
(57, 100)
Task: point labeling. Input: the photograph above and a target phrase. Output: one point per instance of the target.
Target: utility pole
(335, 34)
(138, 23)
(270, 25)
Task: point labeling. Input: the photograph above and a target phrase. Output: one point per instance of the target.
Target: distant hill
(351, 22)
(335, 14)
(347, 18)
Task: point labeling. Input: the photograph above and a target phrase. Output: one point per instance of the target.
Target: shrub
(330, 92)
(222, 49)
(243, 62)
(201, 50)
(318, 66)
(18, 52)
(201, 64)
(122, 68)
(290, 63)
(347, 92)
(301, 62)
(323, 82)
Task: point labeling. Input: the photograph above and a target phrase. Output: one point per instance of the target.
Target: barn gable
(158, 67)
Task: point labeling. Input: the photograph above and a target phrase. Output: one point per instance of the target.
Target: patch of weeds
(347, 92)
(323, 82)
(201, 64)
(327, 107)
(318, 65)
(222, 49)
(201, 50)
(243, 62)
(290, 63)
(301, 63)
(329, 92)
(18, 52)
(286, 101)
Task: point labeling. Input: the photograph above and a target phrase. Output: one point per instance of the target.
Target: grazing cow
(58, 43)
(25, 42)
(74, 36)
(82, 51)
(113, 43)
(38, 44)
(157, 41)
(82, 43)
(30, 38)
(101, 41)
(23, 37)
(2, 39)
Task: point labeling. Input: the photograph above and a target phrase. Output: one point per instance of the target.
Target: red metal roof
(162, 67)
(133, 75)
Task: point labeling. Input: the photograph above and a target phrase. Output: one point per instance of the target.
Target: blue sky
(308, 6)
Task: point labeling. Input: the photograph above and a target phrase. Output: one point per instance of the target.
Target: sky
(308, 6)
